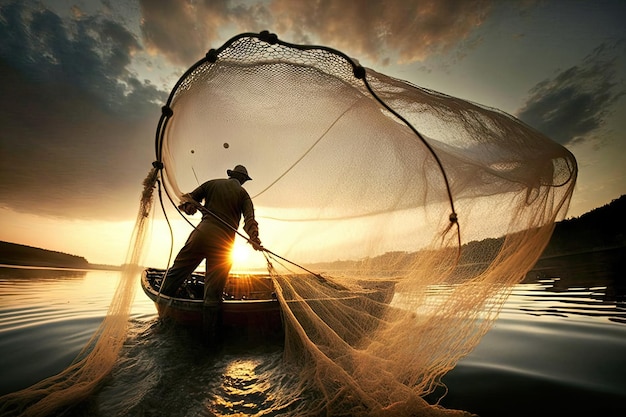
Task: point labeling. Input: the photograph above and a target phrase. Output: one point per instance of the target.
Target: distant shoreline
(599, 230)
(65, 268)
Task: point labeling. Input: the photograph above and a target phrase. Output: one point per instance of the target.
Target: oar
(203, 209)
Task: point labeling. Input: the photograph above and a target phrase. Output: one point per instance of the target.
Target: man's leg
(185, 263)
(217, 270)
(211, 324)
(215, 281)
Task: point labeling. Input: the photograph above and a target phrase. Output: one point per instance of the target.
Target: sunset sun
(240, 252)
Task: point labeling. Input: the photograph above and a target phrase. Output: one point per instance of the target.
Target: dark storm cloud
(382, 31)
(91, 54)
(76, 124)
(578, 100)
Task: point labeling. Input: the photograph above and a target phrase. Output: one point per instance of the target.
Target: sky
(83, 82)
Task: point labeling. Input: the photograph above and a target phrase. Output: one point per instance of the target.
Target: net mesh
(417, 211)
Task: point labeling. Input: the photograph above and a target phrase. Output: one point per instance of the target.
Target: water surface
(557, 348)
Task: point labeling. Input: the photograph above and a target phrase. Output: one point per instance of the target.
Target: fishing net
(96, 359)
(397, 219)
(369, 180)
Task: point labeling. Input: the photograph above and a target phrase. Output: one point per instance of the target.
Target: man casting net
(417, 211)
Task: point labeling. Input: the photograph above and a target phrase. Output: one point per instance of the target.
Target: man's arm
(250, 226)
(188, 204)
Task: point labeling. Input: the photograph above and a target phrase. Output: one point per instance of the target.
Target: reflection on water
(165, 371)
(252, 386)
(557, 348)
(543, 299)
(241, 388)
(47, 316)
(32, 273)
(589, 285)
(605, 269)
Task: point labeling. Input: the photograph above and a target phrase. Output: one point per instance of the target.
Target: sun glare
(245, 259)
(240, 252)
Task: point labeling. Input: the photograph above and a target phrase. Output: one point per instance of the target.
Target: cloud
(577, 102)
(402, 31)
(79, 125)
(74, 118)
(184, 31)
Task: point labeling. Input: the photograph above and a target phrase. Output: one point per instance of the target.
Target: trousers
(208, 241)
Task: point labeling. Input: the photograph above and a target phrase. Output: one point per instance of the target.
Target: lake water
(557, 348)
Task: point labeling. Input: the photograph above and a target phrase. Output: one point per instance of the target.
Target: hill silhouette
(23, 255)
(16, 254)
(598, 229)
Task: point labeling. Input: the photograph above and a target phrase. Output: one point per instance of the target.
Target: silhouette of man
(225, 201)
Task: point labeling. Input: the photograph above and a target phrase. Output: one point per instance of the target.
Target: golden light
(245, 259)
(240, 252)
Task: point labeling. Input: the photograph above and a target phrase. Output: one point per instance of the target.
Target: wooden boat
(249, 305)
(250, 308)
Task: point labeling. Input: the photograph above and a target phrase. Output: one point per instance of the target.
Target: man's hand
(256, 243)
(188, 208)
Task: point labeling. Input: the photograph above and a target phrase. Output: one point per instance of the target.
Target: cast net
(362, 177)
(417, 212)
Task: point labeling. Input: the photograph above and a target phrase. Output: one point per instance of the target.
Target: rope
(361, 74)
(167, 220)
(204, 210)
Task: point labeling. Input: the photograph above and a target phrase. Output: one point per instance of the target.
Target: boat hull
(249, 307)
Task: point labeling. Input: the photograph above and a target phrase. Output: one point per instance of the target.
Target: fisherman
(225, 202)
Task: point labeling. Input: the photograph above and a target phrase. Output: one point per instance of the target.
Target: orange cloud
(401, 31)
